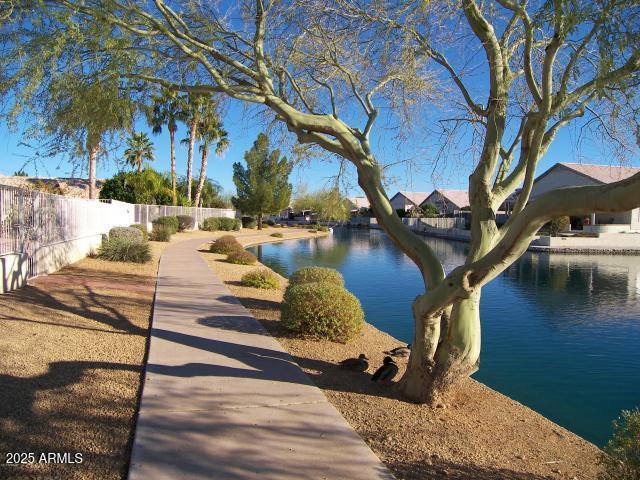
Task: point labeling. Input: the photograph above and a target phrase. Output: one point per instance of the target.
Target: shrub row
(213, 224)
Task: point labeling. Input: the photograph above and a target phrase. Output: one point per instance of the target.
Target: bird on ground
(386, 372)
(359, 364)
(400, 351)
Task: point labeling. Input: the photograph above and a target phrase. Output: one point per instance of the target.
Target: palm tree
(167, 110)
(210, 131)
(191, 115)
(140, 149)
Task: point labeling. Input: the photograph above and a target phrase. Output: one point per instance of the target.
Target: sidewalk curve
(223, 400)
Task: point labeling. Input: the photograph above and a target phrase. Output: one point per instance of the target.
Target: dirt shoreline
(478, 434)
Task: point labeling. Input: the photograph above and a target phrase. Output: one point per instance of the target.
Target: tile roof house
(447, 201)
(358, 202)
(577, 174)
(69, 187)
(404, 200)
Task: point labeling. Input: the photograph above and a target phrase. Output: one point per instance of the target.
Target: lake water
(561, 333)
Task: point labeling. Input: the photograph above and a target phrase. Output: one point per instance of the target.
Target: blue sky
(243, 129)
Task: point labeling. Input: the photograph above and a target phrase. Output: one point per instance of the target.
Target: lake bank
(559, 331)
(479, 434)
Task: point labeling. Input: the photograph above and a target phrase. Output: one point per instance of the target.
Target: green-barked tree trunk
(547, 64)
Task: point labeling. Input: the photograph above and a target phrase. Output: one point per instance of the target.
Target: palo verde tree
(326, 69)
(263, 186)
(328, 204)
(79, 115)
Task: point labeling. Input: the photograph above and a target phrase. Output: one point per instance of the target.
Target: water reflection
(560, 332)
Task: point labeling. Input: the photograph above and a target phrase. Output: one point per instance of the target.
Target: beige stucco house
(447, 201)
(406, 201)
(577, 174)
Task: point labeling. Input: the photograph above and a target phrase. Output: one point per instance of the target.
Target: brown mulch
(477, 434)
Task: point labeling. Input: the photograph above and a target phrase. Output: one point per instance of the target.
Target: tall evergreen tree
(263, 186)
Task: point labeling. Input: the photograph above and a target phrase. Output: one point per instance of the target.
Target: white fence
(146, 214)
(53, 230)
(441, 223)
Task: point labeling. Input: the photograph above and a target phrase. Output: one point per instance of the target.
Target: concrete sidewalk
(223, 400)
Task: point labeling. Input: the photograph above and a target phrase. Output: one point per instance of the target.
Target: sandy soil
(478, 434)
(72, 349)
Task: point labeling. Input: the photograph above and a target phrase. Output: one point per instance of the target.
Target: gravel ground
(478, 434)
(72, 349)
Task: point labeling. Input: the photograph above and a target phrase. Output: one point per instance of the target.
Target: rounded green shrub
(248, 222)
(170, 221)
(261, 279)
(323, 229)
(322, 310)
(270, 222)
(161, 233)
(316, 274)
(277, 235)
(225, 245)
(121, 249)
(242, 257)
(143, 230)
(130, 233)
(185, 222)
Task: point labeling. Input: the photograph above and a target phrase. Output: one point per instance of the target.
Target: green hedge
(264, 278)
(171, 222)
(213, 224)
(322, 310)
(277, 235)
(316, 274)
(121, 249)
